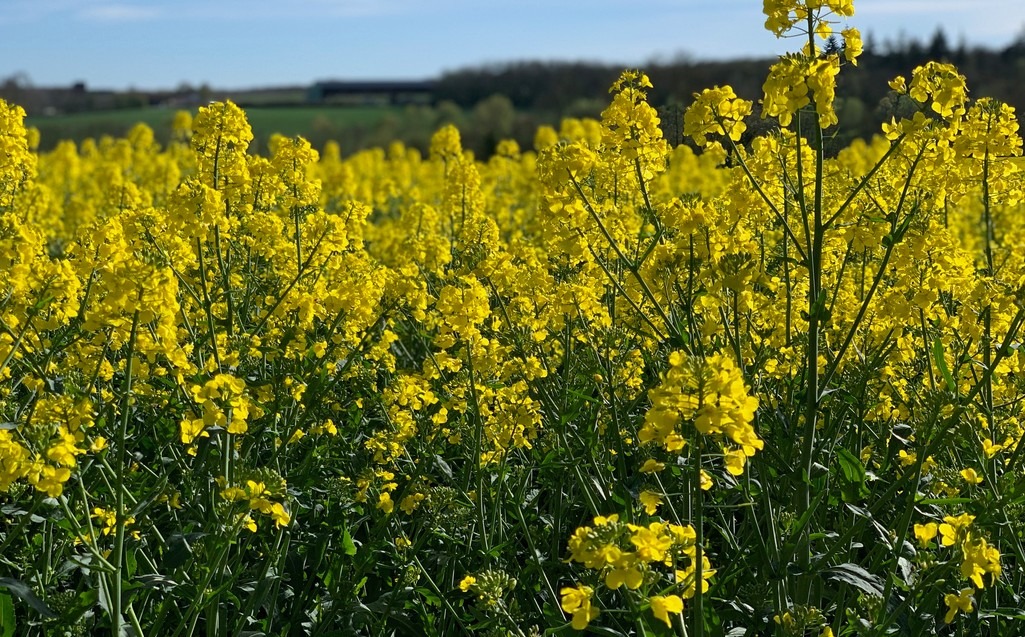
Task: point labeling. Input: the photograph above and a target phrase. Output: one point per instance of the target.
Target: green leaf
(942, 501)
(805, 518)
(26, 595)
(131, 563)
(602, 630)
(853, 487)
(179, 550)
(8, 623)
(429, 596)
(856, 576)
(82, 604)
(851, 466)
(443, 466)
(941, 364)
(156, 580)
(1011, 613)
(348, 546)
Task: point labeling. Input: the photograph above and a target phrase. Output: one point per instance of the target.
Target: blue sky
(250, 43)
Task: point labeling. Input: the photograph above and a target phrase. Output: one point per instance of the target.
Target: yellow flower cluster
(716, 111)
(807, 77)
(978, 557)
(709, 395)
(258, 497)
(223, 403)
(631, 555)
(784, 15)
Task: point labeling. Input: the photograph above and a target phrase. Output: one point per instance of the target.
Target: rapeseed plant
(598, 384)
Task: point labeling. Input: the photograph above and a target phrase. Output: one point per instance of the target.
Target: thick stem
(119, 531)
(698, 522)
(816, 240)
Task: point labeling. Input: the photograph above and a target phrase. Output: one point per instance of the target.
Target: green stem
(817, 239)
(119, 467)
(780, 217)
(699, 523)
(207, 303)
(632, 267)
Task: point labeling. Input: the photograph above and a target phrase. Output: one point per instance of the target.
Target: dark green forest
(549, 90)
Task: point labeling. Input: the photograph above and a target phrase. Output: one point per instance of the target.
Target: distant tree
(870, 45)
(17, 88)
(17, 80)
(832, 46)
(961, 52)
(448, 112)
(938, 47)
(916, 52)
(492, 121)
(1017, 48)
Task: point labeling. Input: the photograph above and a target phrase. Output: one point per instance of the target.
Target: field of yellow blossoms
(605, 385)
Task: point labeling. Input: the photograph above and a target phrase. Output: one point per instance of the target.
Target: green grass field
(309, 121)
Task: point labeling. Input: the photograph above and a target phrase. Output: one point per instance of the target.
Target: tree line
(550, 90)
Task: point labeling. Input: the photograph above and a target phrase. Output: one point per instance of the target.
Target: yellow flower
(662, 606)
(105, 517)
(852, 49)
(979, 558)
(706, 480)
(233, 494)
(716, 111)
(385, 503)
(926, 532)
(652, 466)
(650, 500)
(970, 476)
(51, 480)
(410, 502)
(735, 460)
(445, 143)
(248, 523)
(954, 528)
(577, 601)
(941, 86)
(279, 515)
(629, 575)
(990, 449)
(192, 429)
(688, 577)
(650, 541)
(961, 602)
(906, 459)
(467, 582)
(786, 620)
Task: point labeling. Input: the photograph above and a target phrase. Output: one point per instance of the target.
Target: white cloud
(119, 13)
(27, 11)
(354, 7)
